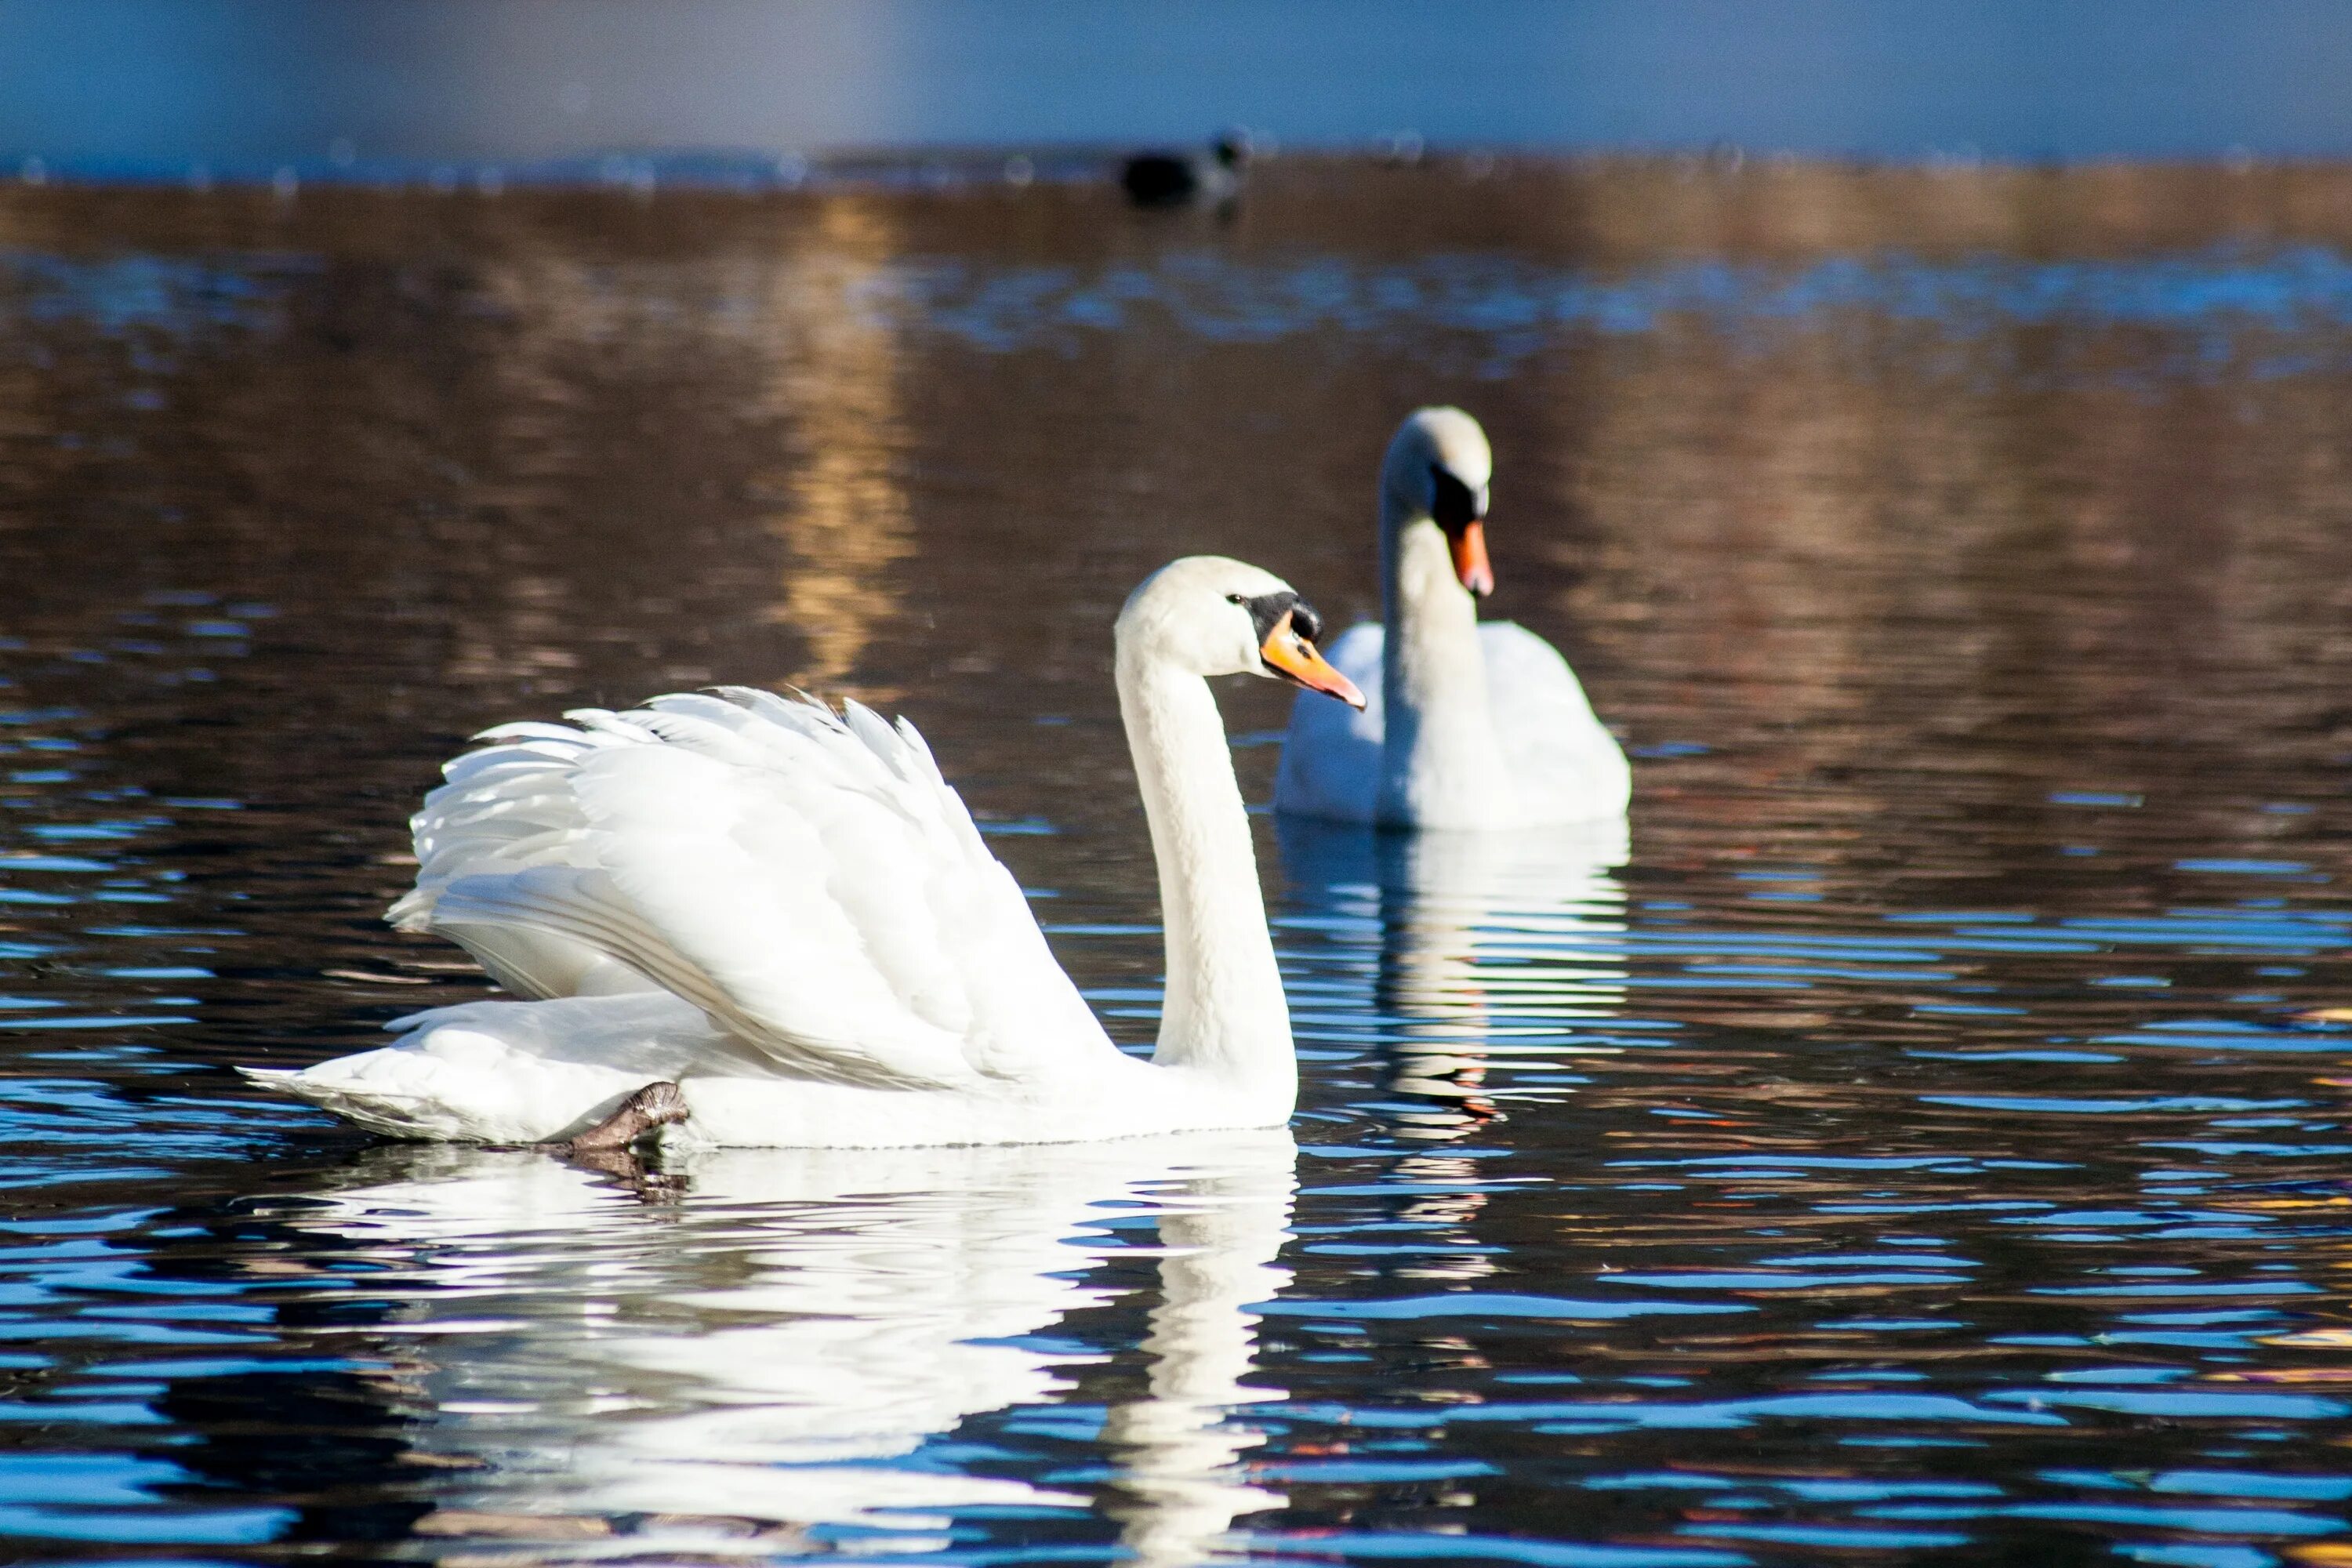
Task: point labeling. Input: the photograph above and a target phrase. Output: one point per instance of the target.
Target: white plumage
(788, 912)
(1332, 759)
(729, 847)
(1467, 724)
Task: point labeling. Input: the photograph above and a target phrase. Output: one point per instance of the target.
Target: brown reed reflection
(833, 369)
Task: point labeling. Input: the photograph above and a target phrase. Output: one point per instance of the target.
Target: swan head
(1438, 469)
(1207, 615)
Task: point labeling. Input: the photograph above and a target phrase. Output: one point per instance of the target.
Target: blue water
(705, 90)
(1922, 1138)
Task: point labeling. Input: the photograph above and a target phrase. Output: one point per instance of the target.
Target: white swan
(770, 925)
(1466, 726)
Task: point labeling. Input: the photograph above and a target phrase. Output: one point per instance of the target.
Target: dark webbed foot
(656, 1105)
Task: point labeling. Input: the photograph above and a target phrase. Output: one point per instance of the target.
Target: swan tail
(517, 1072)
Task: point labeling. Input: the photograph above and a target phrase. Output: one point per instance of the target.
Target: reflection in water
(832, 371)
(766, 1342)
(1490, 944)
(807, 428)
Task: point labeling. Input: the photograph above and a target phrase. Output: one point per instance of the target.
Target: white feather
(1488, 728)
(806, 878)
(788, 911)
(1564, 765)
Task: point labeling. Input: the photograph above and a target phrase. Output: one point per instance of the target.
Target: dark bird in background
(1179, 179)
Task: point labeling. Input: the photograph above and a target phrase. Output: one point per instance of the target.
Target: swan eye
(1451, 503)
(1266, 611)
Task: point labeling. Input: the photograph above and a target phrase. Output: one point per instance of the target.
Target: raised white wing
(1331, 755)
(1568, 768)
(806, 878)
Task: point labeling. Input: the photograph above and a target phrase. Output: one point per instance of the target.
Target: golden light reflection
(833, 378)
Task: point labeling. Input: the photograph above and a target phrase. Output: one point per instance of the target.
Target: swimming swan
(1465, 725)
(753, 921)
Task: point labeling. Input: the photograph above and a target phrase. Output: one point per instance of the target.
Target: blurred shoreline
(637, 172)
(1598, 208)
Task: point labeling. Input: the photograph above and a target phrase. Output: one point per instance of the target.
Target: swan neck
(1225, 1011)
(1441, 761)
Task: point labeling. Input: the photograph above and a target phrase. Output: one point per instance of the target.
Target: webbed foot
(656, 1105)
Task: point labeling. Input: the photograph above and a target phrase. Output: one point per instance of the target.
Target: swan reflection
(1486, 946)
(765, 1350)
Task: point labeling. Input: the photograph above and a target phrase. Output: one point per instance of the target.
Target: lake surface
(1908, 1144)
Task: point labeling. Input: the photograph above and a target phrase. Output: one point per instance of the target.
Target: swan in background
(767, 1354)
(751, 921)
(1465, 725)
(1485, 950)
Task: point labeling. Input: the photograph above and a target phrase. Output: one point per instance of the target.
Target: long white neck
(1224, 1012)
(1440, 760)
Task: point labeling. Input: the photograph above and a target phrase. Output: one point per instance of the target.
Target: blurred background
(156, 88)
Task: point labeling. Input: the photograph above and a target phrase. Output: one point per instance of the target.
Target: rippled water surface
(1913, 1143)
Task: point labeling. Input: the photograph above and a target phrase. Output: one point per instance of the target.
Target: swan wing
(806, 878)
(503, 809)
(1331, 753)
(1568, 767)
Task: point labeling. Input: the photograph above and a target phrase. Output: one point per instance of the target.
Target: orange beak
(1295, 658)
(1470, 561)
